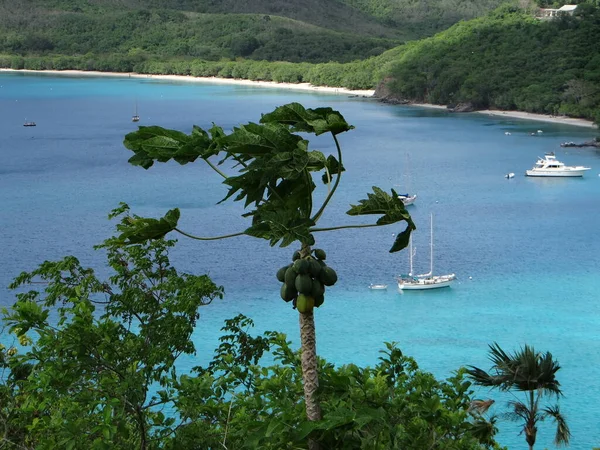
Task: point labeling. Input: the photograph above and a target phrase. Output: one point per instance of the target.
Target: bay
(524, 250)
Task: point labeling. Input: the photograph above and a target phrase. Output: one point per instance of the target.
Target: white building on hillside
(550, 13)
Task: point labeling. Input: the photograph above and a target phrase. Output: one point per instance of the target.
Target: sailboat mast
(410, 257)
(431, 245)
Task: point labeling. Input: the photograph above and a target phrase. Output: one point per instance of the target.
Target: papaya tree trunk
(310, 374)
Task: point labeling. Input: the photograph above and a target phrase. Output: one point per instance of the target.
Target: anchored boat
(549, 166)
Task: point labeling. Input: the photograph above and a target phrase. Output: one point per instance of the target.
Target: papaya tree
(269, 166)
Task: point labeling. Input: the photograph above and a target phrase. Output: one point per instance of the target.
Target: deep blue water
(525, 250)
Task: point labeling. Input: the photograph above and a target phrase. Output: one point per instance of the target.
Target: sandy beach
(310, 87)
(213, 80)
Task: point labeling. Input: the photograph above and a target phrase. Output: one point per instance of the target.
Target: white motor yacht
(549, 166)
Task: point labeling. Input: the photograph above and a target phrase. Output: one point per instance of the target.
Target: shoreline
(208, 80)
(562, 120)
(309, 87)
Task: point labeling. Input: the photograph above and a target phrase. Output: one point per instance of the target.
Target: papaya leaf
(316, 160)
(281, 225)
(255, 140)
(380, 202)
(402, 240)
(250, 184)
(159, 144)
(317, 121)
(334, 167)
(391, 209)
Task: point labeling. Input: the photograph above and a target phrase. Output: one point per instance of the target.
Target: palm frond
(524, 370)
(518, 411)
(563, 434)
(480, 406)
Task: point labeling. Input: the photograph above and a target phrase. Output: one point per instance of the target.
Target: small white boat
(509, 175)
(407, 199)
(378, 287)
(549, 166)
(426, 280)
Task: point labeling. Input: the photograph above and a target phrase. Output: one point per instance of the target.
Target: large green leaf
(254, 139)
(135, 230)
(159, 144)
(402, 240)
(281, 225)
(391, 209)
(317, 121)
(334, 168)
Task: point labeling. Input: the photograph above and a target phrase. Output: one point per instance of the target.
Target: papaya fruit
(303, 284)
(296, 255)
(319, 300)
(290, 276)
(328, 276)
(301, 266)
(317, 288)
(288, 293)
(320, 254)
(281, 273)
(314, 268)
(305, 303)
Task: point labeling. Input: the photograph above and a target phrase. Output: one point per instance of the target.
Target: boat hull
(420, 284)
(378, 287)
(570, 173)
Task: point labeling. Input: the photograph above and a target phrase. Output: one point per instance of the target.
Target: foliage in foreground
(99, 370)
(57, 397)
(534, 374)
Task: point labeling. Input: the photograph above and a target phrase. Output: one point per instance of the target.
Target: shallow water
(524, 250)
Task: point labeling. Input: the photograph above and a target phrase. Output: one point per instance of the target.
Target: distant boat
(509, 175)
(407, 199)
(549, 166)
(29, 124)
(135, 117)
(378, 287)
(427, 280)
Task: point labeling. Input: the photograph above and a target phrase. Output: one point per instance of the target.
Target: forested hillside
(508, 60)
(165, 34)
(273, 30)
(425, 17)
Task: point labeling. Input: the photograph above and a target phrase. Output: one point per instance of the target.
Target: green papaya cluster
(304, 280)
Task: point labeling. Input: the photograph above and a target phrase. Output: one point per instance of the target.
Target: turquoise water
(524, 250)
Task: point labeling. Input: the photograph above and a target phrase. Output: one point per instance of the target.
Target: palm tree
(533, 373)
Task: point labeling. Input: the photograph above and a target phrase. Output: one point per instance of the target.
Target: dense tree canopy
(508, 60)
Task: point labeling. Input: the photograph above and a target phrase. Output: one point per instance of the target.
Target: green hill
(273, 30)
(507, 60)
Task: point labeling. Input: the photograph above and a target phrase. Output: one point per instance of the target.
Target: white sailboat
(135, 117)
(426, 280)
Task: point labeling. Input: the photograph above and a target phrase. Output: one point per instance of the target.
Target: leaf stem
(215, 168)
(342, 227)
(317, 216)
(214, 238)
